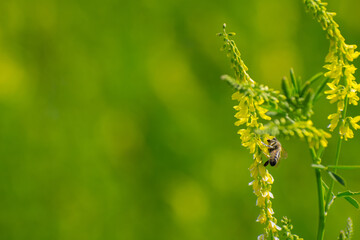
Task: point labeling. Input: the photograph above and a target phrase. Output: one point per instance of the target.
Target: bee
(275, 151)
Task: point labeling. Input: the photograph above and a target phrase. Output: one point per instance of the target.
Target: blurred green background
(114, 123)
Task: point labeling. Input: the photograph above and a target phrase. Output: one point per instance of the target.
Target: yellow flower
(241, 121)
(349, 71)
(262, 112)
(251, 145)
(262, 171)
(254, 171)
(261, 237)
(354, 121)
(260, 201)
(267, 194)
(351, 54)
(335, 71)
(353, 97)
(273, 227)
(253, 122)
(346, 132)
(262, 217)
(237, 96)
(268, 178)
(334, 120)
(256, 186)
(270, 211)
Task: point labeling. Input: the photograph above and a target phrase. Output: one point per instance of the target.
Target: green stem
(338, 149)
(321, 226)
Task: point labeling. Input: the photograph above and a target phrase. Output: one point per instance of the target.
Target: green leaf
(320, 89)
(315, 77)
(326, 187)
(344, 166)
(308, 83)
(294, 81)
(318, 166)
(337, 178)
(286, 87)
(347, 193)
(352, 201)
(309, 96)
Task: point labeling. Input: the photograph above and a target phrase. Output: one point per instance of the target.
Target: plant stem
(338, 149)
(321, 226)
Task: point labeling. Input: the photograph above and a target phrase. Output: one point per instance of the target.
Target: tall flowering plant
(263, 113)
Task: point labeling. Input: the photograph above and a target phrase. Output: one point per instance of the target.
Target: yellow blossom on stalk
(341, 71)
(248, 110)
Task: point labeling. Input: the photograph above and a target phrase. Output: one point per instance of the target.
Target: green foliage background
(114, 123)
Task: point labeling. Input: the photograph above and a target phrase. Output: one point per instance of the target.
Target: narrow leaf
(308, 97)
(344, 166)
(286, 87)
(352, 201)
(315, 77)
(347, 193)
(294, 81)
(320, 89)
(337, 178)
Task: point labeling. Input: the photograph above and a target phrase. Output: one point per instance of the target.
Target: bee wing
(284, 154)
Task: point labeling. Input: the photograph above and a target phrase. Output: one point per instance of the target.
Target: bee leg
(268, 146)
(266, 163)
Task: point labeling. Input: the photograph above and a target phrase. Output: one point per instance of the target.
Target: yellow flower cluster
(343, 87)
(249, 110)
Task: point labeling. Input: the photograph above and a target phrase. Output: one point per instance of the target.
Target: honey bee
(275, 151)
